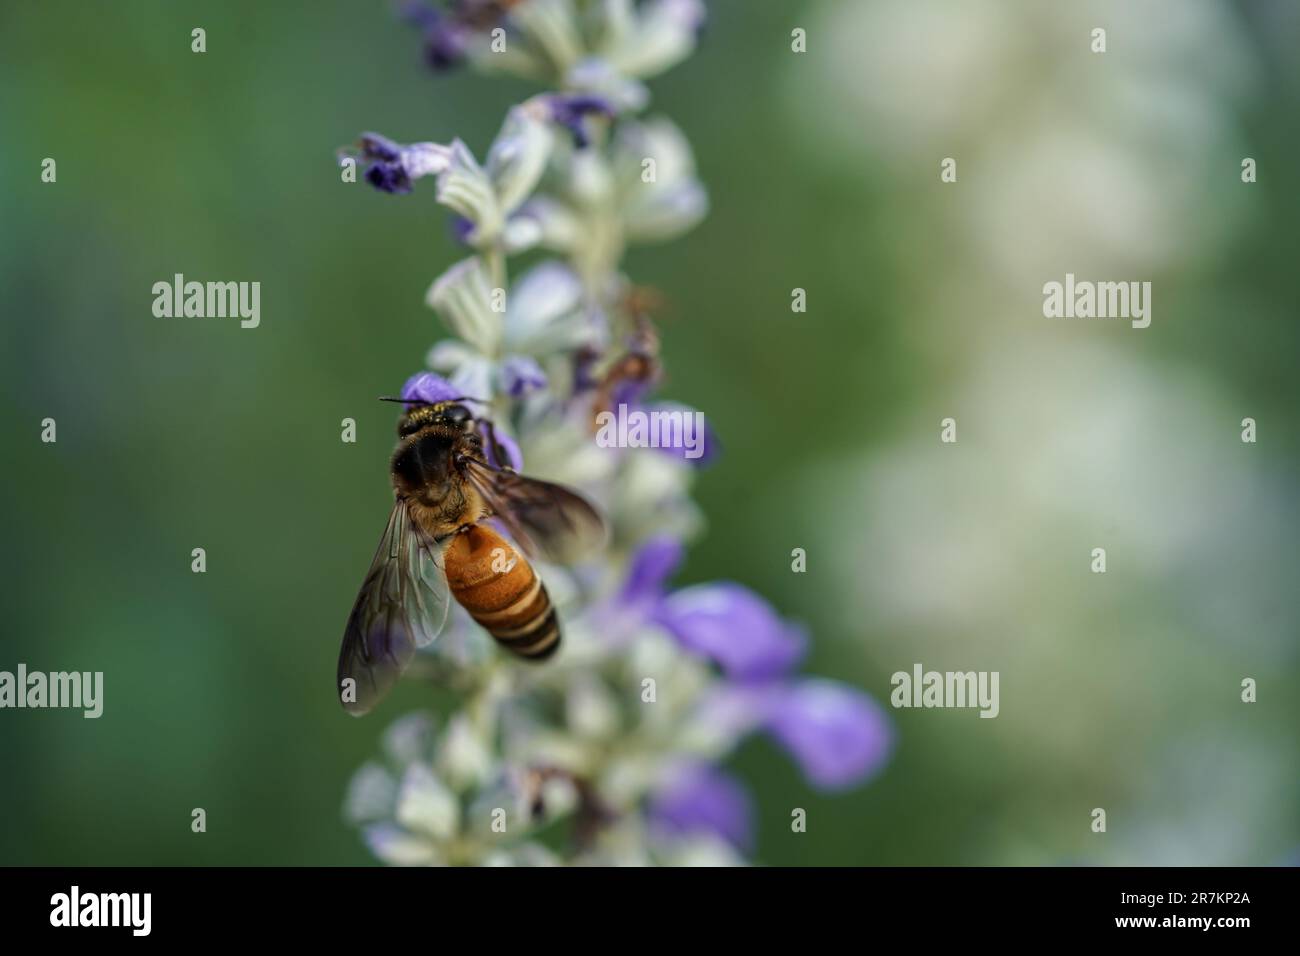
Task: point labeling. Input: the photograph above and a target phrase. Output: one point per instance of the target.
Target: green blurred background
(1118, 690)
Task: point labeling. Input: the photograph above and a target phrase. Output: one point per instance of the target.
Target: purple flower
(380, 148)
(394, 166)
(428, 388)
(584, 364)
(838, 735)
(461, 229)
(630, 391)
(723, 621)
(520, 374)
(573, 112)
(651, 567)
(734, 627)
(446, 40)
(704, 442)
(697, 798)
(385, 171)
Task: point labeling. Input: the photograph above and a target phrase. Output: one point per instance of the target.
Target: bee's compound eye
(456, 414)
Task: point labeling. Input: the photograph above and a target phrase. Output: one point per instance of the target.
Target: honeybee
(434, 546)
(483, 14)
(636, 370)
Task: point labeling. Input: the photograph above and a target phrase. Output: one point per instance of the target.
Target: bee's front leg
(498, 452)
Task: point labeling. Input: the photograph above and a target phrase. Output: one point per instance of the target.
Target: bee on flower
(611, 751)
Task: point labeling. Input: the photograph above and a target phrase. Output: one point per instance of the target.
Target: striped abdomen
(498, 587)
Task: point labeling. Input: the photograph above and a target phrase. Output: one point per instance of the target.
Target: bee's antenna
(421, 401)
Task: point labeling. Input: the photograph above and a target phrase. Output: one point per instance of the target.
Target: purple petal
(733, 626)
(651, 566)
(571, 111)
(697, 798)
(838, 735)
(445, 40)
(377, 147)
(445, 46)
(385, 172)
(584, 361)
(389, 178)
(630, 391)
(461, 229)
(428, 388)
(393, 167)
(703, 443)
(520, 374)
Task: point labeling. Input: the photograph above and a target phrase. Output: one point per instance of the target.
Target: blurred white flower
(371, 794)
(675, 201)
(552, 27)
(1075, 159)
(498, 353)
(398, 847)
(409, 738)
(462, 297)
(981, 551)
(647, 39)
(464, 758)
(425, 805)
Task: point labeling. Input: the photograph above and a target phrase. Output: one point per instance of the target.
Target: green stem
(495, 258)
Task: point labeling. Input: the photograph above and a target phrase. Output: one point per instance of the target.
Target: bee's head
(430, 436)
(420, 415)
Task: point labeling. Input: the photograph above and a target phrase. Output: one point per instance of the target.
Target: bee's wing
(545, 519)
(402, 605)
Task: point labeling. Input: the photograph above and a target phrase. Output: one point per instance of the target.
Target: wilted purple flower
(446, 38)
(573, 111)
(394, 166)
(695, 798)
